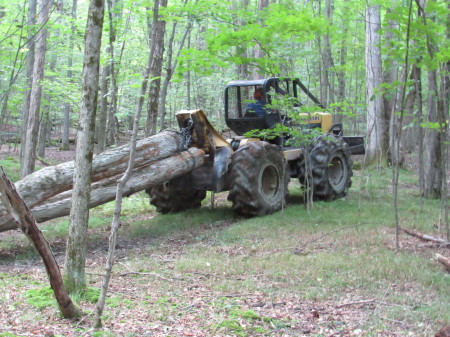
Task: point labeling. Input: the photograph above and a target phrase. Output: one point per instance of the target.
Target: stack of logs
(48, 192)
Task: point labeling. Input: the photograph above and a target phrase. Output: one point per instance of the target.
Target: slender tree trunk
(340, 74)
(67, 106)
(170, 70)
(112, 127)
(32, 9)
(443, 112)
(103, 111)
(433, 166)
(74, 272)
(257, 52)
(29, 152)
(241, 51)
(376, 126)
(390, 76)
(188, 79)
(157, 52)
(419, 117)
(118, 206)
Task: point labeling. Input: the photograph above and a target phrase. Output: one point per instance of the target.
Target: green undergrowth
(44, 297)
(333, 253)
(11, 166)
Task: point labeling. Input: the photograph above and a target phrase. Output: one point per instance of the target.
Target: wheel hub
(337, 173)
(269, 181)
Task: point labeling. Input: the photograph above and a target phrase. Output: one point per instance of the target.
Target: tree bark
(122, 182)
(74, 266)
(170, 70)
(433, 160)
(376, 126)
(67, 106)
(29, 151)
(31, 45)
(157, 52)
(26, 222)
(101, 128)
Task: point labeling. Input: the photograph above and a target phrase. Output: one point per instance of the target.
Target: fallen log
(154, 164)
(444, 260)
(426, 237)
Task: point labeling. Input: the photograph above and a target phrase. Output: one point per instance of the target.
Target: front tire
(259, 179)
(166, 199)
(331, 168)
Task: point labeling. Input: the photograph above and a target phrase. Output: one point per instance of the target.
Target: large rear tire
(331, 168)
(259, 179)
(166, 199)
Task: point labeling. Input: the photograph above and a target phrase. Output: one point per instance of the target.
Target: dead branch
(426, 237)
(355, 303)
(26, 222)
(151, 274)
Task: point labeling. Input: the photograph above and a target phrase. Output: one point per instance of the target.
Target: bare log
(50, 181)
(426, 237)
(105, 190)
(25, 220)
(444, 260)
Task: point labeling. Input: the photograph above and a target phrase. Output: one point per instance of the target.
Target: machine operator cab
(248, 104)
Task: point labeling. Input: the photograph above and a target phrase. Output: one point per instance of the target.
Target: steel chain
(186, 135)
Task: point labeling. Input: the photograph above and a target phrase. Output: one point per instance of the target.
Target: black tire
(331, 168)
(166, 199)
(259, 179)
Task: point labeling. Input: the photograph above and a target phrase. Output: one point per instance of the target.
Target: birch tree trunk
(376, 125)
(29, 146)
(74, 271)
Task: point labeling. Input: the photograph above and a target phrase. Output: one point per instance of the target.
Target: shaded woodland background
(381, 68)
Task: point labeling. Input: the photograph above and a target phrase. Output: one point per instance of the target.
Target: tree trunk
(169, 71)
(26, 222)
(101, 133)
(340, 73)
(112, 126)
(376, 126)
(157, 52)
(48, 191)
(433, 164)
(29, 152)
(74, 271)
(32, 6)
(67, 106)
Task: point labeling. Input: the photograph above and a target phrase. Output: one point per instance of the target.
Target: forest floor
(333, 271)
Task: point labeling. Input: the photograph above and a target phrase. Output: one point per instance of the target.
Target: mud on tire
(331, 168)
(166, 199)
(258, 179)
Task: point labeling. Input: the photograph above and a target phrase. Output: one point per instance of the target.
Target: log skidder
(256, 171)
(258, 178)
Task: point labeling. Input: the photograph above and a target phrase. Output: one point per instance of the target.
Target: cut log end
(445, 261)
